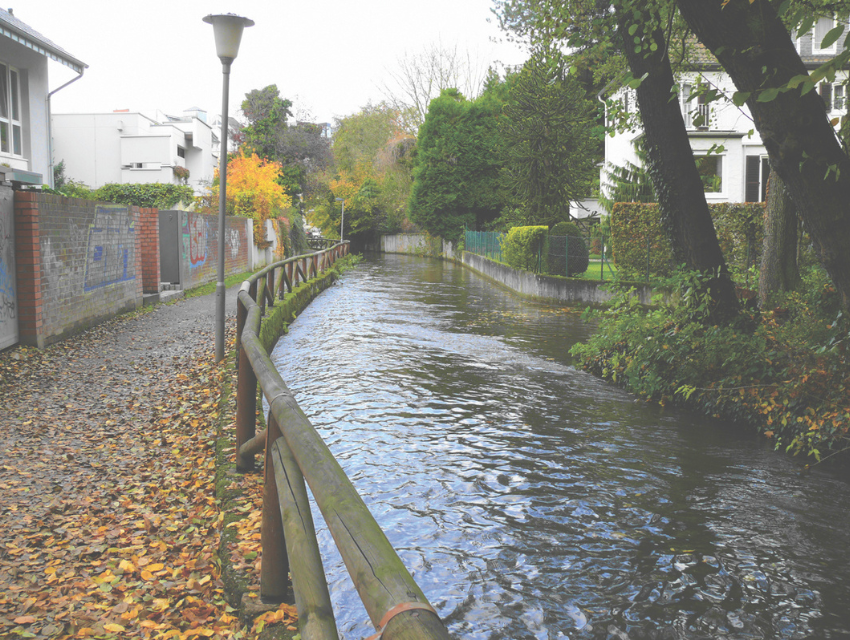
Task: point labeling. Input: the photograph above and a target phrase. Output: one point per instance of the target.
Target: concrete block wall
(200, 247)
(149, 236)
(78, 263)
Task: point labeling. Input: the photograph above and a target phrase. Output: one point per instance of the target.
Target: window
(11, 136)
(181, 152)
(710, 170)
(838, 102)
(822, 27)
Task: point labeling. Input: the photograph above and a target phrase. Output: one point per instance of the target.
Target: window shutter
(751, 193)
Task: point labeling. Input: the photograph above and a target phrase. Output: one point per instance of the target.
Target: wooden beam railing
(296, 457)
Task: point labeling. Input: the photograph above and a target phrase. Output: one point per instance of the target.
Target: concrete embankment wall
(552, 288)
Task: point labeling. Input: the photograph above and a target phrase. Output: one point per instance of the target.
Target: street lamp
(342, 219)
(227, 29)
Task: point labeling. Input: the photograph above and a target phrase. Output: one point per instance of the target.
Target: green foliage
(740, 231)
(568, 252)
(153, 195)
(785, 372)
(297, 237)
(549, 152)
(636, 228)
(525, 248)
(59, 177)
(267, 114)
(456, 175)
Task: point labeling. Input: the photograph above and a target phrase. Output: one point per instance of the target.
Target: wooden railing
(295, 453)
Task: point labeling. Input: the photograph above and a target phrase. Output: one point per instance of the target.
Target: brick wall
(149, 236)
(79, 263)
(200, 247)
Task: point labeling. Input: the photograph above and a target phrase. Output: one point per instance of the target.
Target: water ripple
(530, 500)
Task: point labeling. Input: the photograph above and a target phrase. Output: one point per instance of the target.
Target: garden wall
(78, 263)
(547, 287)
(200, 247)
(418, 244)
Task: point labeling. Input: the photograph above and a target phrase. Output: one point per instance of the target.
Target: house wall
(90, 144)
(78, 264)
(97, 149)
(33, 85)
(199, 234)
(8, 280)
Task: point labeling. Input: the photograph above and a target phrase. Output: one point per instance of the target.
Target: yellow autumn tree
(252, 190)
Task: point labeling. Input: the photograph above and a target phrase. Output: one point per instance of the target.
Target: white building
(25, 99)
(730, 155)
(130, 147)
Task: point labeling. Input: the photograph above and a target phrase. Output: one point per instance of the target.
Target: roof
(24, 34)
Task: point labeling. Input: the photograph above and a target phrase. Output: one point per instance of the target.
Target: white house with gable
(25, 99)
(730, 156)
(131, 147)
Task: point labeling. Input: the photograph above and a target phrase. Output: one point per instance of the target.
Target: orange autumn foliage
(253, 190)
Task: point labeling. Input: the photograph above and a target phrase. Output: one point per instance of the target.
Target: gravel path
(106, 467)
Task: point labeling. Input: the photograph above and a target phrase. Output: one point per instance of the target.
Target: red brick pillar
(149, 238)
(28, 258)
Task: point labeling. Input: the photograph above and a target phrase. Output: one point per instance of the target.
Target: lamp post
(227, 29)
(342, 219)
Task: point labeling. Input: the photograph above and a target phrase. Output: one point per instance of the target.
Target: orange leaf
(24, 620)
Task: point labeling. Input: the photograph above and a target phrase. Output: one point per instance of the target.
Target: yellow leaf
(153, 568)
(126, 565)
(147, 575)
(114, 628)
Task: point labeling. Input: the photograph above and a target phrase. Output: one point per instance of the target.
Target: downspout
(50, 129)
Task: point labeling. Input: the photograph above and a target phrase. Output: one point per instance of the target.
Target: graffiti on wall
(8, 304)
(234, 241)
(111, 248)
(198, 232)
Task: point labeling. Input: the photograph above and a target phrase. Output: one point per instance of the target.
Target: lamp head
(227, 28)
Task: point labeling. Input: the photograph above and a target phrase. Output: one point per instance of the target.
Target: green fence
(484, 243)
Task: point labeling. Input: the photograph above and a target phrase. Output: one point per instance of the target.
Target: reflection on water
(531, 500)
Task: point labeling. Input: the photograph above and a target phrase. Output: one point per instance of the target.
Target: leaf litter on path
(109, 523)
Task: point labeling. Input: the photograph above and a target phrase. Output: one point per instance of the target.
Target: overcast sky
(329, 56)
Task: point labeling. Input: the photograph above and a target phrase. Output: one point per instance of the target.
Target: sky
(330, 57)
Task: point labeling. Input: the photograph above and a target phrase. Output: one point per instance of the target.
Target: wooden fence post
(274, 583)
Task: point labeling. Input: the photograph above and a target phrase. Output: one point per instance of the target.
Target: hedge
(636, 227)
(568, 252)
(526, 248)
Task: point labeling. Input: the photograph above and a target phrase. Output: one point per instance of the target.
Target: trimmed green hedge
(568, 252)
(154, 195)
(636, 227)
(526, 248)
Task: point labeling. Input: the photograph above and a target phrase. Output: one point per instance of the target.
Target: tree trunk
(779, 258)
(755, 49)
(672, 167)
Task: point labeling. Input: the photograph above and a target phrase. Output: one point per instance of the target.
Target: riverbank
(785, 372)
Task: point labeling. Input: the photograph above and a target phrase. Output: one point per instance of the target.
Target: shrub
(525, 248)
(153, 195)
(567, 245)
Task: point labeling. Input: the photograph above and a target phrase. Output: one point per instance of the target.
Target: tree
(456, 175)
(300, 149)
(754, 47)
(372, 173)
(549, 152)
(639, 30)
(421, 77)
(253, 191)
(779, 255)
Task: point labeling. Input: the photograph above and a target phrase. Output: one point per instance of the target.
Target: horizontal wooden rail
(296, 457)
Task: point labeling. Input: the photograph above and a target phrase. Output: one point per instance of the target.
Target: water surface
(531, 500)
